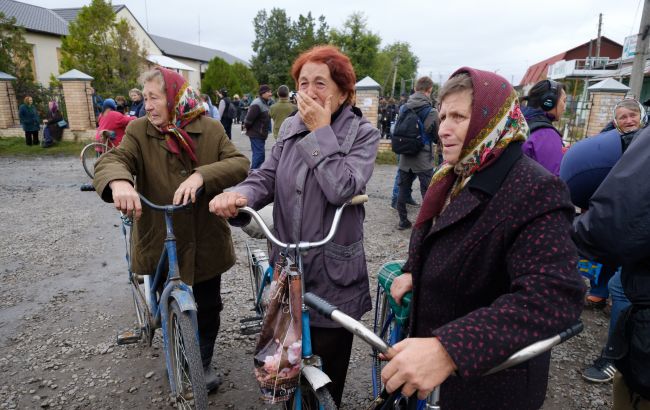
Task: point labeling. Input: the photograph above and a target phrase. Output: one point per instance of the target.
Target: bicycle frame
(311, 364)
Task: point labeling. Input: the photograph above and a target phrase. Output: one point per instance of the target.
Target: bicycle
(433, 400)
(311, 392)
(91, 152)
(165, 301)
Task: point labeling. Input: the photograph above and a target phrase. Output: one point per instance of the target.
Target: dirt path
(65, 297)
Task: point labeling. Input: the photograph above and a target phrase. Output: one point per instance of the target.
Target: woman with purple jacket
(324, 155)
(546, 103)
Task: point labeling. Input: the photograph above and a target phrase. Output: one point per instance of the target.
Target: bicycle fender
(184, 300)
(315, 376)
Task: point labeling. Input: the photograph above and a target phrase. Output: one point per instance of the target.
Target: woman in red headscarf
(167, 156)
(491, 262)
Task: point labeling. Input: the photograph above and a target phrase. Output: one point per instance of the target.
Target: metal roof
(609, 84)
(5, 76)
(186, 50)
(367, 83)
(74, 75)
(70, 14)
(34, 18)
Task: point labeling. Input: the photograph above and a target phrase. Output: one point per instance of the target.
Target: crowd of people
(494, 247)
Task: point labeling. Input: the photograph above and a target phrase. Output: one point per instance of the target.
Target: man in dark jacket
(419, 165)
(616, 227)
(257, 124)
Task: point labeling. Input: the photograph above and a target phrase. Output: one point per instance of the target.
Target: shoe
(601, 371)
(212, 379)
(404, 225)
(595, 302)
(412, 202)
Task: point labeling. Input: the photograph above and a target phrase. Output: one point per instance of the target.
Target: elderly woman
(137, 103)
(29, 120)
(167, 156)
(491, 262)
(324, 156)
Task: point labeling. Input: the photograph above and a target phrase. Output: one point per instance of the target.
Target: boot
(212, 379)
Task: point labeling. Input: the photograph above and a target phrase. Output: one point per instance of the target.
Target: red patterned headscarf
(495, 122)
(183, 107)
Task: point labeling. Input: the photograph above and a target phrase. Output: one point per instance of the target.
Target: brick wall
(368, 103)
(602, 110)
(78, 104)
(8, 106)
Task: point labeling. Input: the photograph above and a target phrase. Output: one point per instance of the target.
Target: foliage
(13, 49)
(387, 157)
(16, 147)
(359, 43)
(247, 82)
(218, 75)
(278, 41)
(103, 48)
(407, 66)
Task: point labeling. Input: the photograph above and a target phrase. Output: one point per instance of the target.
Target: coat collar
(193, 127)
(488, 181)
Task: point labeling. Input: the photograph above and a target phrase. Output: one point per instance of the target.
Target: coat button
(315, 153)
(183, 173)
(298, 191)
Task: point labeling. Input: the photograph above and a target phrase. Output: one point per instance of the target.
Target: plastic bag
(278, 352)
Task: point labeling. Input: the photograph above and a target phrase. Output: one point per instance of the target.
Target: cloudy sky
(503, 36)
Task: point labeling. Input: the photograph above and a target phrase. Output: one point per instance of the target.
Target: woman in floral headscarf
(166, 157)
(491, 262)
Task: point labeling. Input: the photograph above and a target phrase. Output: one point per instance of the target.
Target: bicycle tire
(256, 271)
(313, 399)
(89, 155)
(185, 360)
(383, 329)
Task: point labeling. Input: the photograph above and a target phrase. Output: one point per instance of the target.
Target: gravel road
(65, 297)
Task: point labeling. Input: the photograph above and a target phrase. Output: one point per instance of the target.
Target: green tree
(14, 49)
(103, 48)
(397, 55)
(359, 43)
(273, 47)
(305, 34)
(218, 75)
(247, 82)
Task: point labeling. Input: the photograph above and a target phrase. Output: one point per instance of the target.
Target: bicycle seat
(253, 229)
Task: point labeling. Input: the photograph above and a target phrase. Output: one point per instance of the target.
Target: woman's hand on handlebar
(126, 198)
(226, 204)
(401, 285)
(187, 189)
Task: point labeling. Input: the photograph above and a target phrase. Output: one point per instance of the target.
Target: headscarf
(496, 121)
(183, 107)
(53, 107)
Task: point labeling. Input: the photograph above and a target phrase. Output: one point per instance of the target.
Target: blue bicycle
(165, 301)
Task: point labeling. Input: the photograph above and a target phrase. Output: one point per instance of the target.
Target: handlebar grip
(358, 199)
(321, 306)
(572, 331)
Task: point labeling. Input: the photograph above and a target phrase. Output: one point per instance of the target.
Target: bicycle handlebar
(169, 208)
(356, 200)
(331, 312)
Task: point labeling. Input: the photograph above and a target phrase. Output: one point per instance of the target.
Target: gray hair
(456, 84)
(154, 75)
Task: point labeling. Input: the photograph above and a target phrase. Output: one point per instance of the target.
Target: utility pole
(638, 66)
(395, 62)
(600, 25)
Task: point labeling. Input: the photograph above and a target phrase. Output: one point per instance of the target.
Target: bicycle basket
(387, 273)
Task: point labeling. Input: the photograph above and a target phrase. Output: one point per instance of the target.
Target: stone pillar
(77, 93)
(367, 91)
(603, 98)
(8, 105)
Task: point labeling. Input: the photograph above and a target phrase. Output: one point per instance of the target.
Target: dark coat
(204, 244)
(495, 273)
(258, 119)
(29, 118)
(53, 119)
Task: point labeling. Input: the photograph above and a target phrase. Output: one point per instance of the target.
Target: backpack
(409, 135)
(230, 112)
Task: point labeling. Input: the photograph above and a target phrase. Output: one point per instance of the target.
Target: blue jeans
(619, 301)
(599, 288)
(257, 146)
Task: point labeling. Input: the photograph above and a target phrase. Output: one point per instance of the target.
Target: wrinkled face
(135, 97)
(627, 120)
(455, 113)
(155, 103)
(315, 81)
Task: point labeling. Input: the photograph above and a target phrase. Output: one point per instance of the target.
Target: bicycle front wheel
(187, 368)
(312, 399)
(90, 154)
(384, 327)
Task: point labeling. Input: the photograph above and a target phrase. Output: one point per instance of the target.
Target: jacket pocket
(344, 264)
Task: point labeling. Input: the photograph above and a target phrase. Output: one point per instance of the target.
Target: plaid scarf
(495, 122)
(183, 106)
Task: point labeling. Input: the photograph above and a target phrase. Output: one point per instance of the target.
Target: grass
(386, 158)
(10, 146)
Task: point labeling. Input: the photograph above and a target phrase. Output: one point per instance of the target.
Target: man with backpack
(416, 132)
(227, 111)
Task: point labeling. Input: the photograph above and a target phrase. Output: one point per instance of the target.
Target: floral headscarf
(183, 107)
(496, 121)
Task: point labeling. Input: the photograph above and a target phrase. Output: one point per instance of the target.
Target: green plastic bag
(388, 272)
